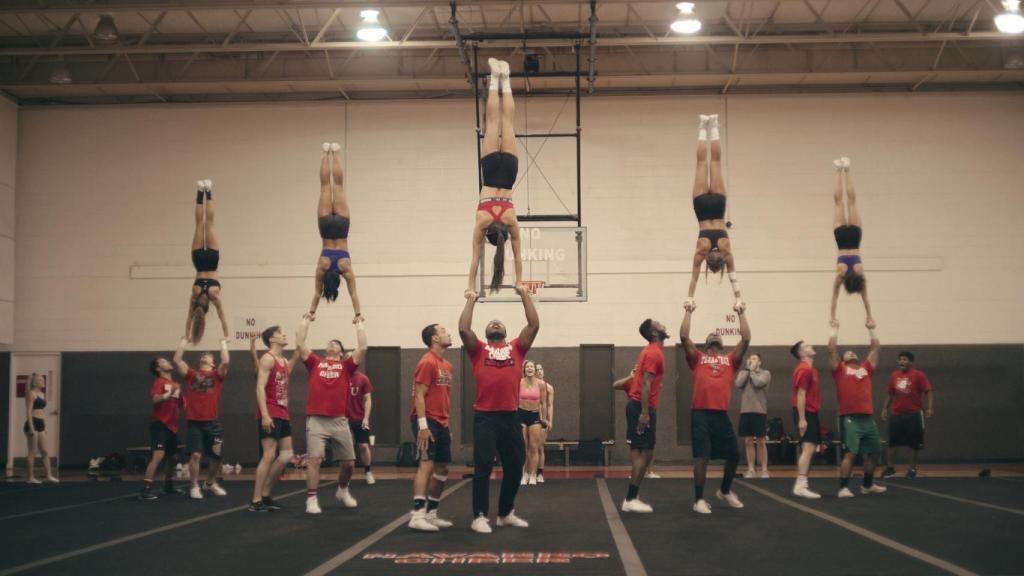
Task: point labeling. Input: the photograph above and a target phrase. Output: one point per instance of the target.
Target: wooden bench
(566, 445)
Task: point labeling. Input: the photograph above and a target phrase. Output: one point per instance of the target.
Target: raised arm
(474, 263)
(516, 251)
(252, 352)
(359, 354)
(318, 289)
(698, 261)
(867, 305)
(876, 346)
(744, 343)
(218, 303)
(529, 332)
(469, 339)
(179, 357)
(225, 358)
(301, 334)
(350, 282)
(835, 296)
(730, 268)
(684, 335)
(833, 348)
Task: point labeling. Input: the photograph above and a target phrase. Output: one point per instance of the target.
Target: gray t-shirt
(753, 385)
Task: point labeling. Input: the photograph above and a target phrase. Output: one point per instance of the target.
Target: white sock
(713, 129)
(702, 134)
(494, 83)
(801, 480)
(506, 84)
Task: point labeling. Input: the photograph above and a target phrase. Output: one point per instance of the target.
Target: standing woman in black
(35, 429)
(205, 258)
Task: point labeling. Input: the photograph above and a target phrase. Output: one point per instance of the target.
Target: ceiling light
(1011, 21)
(371, 30)
(60, 74)
(686, 23)
(105, 30)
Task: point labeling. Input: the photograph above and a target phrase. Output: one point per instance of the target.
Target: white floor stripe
(957, 499)
(357, 548)
(110, 543)
(68, 507)
(627, 552)
(888, 543)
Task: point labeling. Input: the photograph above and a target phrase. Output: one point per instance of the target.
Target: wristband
(835, 331)
(422, 422)
(735, 284)
(871, 332)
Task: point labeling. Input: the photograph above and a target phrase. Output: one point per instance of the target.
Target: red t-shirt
(497, 369)
(713, 375)
(358, 386)
(203, 390)
(276, 390)
(328, 385)
(853, 386)
(906, 389)
(806, 378)
(166, 412)
(436, 373)
(651, 361)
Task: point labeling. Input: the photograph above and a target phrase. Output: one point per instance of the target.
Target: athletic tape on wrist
(422, 423)
(871, 332)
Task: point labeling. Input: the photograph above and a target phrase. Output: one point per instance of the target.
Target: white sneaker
(654, 475)
(873, 489)
(845, 493)
(505, 70)
(335, 147)
(436, 520)
(540, 478)
(215, 489)
(764, 474)
(702, 507)
(636, 505)
(512, 519)
(52, 480)
(327, 146)
(370, 479)
(731, 498)
(481, 525)
(312, 505)
(805, 492)
(418, 521)
(345, 498)
(749, 474)
(524, 480)
(533, 480)
(33, 481)
(195, 493)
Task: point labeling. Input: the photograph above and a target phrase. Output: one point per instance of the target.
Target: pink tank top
(528, 393)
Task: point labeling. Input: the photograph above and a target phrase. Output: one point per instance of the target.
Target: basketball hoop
(533, 288)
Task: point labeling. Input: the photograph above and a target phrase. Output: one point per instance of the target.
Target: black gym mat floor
(922, 526)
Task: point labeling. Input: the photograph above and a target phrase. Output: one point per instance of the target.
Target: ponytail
(497, 235)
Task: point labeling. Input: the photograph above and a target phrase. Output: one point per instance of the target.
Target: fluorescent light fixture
(1011, 21)
(105, 30)
(686, 23)
(60, 74)
(371, 30)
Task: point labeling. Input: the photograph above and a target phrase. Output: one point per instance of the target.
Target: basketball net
(533, 288)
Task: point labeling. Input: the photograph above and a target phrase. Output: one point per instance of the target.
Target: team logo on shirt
(444, 378)
(716, 363)
(860, 373)
(202, 383)
(903, 385)
(281, 389)
(329, 370)
(500, 357)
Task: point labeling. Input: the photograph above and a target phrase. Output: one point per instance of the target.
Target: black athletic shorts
(529, 417)
(813, 434)
(359, 436)
(907, 430)
(439, 450)
(649, 438)
(38, 423)
(713, 436)
(162, 438)
(281, 429)
(206, 437)
(753, 425)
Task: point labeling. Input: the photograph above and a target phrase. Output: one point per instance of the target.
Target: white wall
(8, 163)
(103, 189)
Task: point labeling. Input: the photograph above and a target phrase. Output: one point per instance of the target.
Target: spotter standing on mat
(275, 427)
(753, 381)
(806, 400)
(205, 259)
(709, 196)
(495, 214)
(326, 409)
(847, 229)
(360, 406)
(166, 397)
(497, 366)
(857, 425)
(907, 388)
(432, 385)
(643, 386)
(533, 416)
(204, 433)
(35, 429)
(713, 435)
(333, 220)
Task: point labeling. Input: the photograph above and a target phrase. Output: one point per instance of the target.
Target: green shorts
(860, 434)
